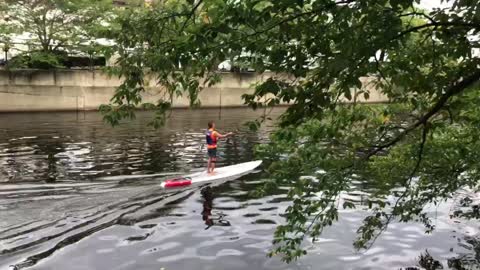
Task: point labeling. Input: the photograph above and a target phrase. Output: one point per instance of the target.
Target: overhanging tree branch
(456, 89)
(407, 185)
(299, 15)
(437, 24)
(191, 14)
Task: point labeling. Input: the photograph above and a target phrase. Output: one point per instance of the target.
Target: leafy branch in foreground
(417, 150)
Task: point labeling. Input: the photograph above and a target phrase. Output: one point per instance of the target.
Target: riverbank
(85, 90)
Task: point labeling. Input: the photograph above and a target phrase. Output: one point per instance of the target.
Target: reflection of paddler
(207, 216)
(207, 206)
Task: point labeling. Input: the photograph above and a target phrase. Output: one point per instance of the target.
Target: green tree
(159, 42)
(5, 30)
(54, 26)
(418, 149)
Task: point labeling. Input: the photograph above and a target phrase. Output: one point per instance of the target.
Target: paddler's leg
(212, 164)
(211, 156)
(214, 159)
(209, 162)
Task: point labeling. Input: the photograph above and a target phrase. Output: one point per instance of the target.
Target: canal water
(76, 193)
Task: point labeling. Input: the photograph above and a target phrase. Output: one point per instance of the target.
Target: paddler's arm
(218, 135)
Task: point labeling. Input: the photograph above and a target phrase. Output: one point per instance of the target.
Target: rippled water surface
(78, 194)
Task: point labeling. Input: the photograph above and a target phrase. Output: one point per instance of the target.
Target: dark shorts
(212, 153)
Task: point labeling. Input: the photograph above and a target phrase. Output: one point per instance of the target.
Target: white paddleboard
(223, 173)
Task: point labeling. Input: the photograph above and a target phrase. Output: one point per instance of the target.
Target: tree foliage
(37, 60)
(5, 30)
(53, 26)
(418, 149)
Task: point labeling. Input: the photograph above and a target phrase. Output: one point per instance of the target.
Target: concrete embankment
(72, 90)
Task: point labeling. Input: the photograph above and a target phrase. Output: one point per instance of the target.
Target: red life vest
(211, 139)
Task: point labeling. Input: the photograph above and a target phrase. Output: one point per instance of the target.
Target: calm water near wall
(78, 194)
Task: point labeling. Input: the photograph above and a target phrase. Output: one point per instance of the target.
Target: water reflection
(461, 262)
(57, 147)
(207, 216)
(76, 194)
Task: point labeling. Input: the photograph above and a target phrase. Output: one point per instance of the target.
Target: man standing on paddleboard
(212, 137)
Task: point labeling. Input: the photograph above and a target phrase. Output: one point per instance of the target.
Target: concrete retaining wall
(35, 90)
